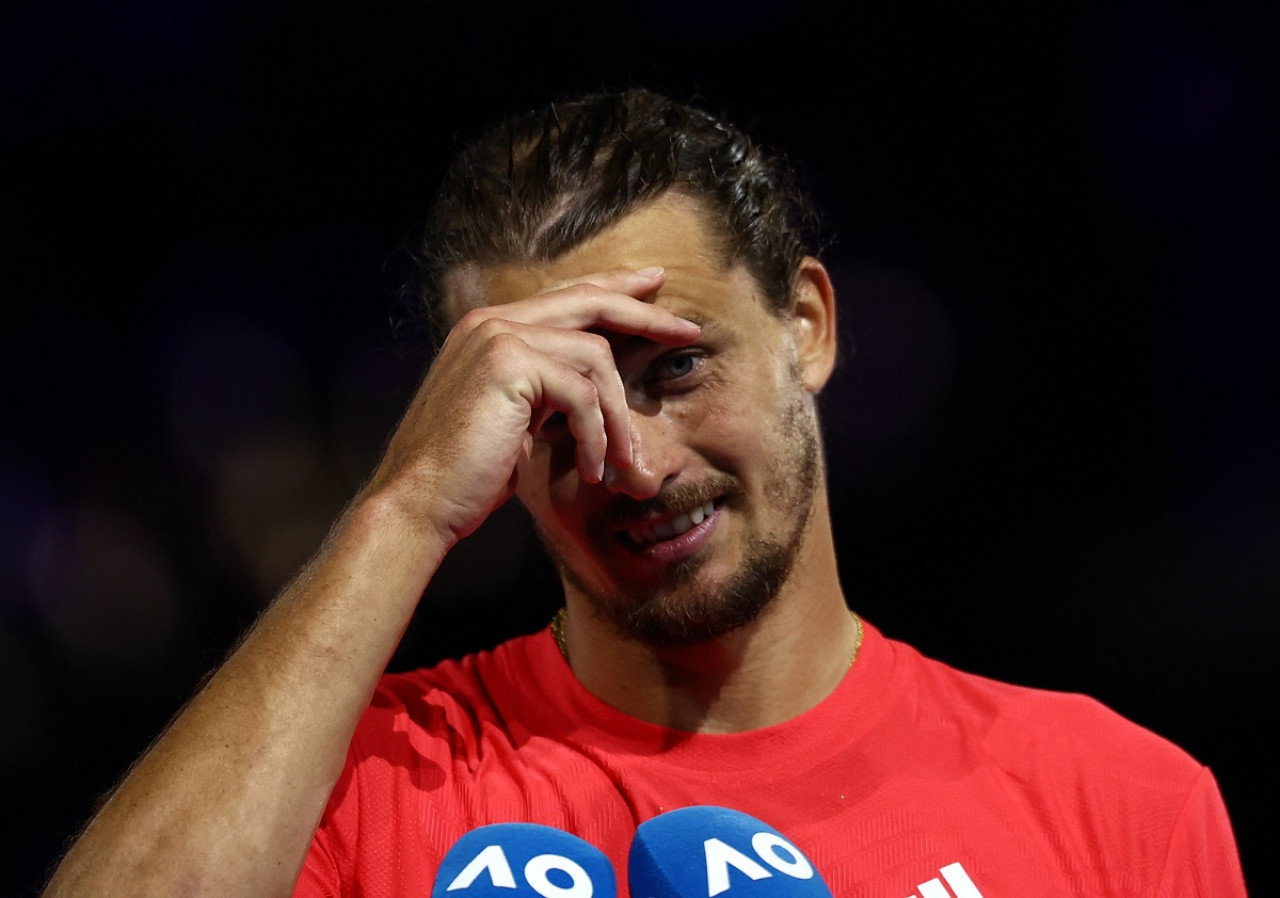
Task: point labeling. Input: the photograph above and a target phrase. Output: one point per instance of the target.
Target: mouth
(661, 528)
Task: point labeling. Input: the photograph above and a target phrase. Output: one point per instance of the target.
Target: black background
(1053, 230)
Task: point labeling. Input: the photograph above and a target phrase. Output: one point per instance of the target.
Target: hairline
(454, 304)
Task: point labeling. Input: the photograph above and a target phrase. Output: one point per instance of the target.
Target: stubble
(683, 611)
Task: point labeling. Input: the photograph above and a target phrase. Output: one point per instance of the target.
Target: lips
(661, 528)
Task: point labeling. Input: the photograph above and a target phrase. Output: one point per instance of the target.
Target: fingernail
(650, 272)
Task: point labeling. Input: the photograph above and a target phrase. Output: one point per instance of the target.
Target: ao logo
(537, 873)
(770, 847)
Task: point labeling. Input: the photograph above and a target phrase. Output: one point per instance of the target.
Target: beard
(680, 611)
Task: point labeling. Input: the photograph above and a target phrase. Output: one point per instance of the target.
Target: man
(637, 331)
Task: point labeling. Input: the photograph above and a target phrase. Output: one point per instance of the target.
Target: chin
(687, 611)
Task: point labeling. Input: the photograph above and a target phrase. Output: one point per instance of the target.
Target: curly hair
(541, 183)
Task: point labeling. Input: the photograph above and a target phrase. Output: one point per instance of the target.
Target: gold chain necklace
(557, 631)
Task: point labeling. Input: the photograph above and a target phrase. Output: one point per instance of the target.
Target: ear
(813, 323)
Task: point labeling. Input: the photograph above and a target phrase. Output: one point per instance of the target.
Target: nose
(657, 456)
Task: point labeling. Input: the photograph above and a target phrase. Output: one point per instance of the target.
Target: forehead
(671, 232)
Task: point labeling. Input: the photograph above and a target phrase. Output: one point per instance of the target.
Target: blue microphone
(523, 860)
(702, 852)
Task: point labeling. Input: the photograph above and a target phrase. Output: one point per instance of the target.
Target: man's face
(699, 535)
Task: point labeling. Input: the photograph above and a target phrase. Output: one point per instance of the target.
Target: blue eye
(680, 365)
(676, 366)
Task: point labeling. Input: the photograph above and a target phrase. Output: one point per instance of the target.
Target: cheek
(727, 425)
(562, 495)
(754, 429)
(549, 475)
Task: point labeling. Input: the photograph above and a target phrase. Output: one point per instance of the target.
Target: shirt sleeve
(322, 873)
(1202, 860)
(319, 877)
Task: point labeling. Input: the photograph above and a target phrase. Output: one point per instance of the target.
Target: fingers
(586, 373)
(565, 390)
(572, 368)
(637, 282)
(609, 300)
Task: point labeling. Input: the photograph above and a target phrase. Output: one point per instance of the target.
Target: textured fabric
(906, 770)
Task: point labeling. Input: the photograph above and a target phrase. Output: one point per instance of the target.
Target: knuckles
(589, 394)
(506, 353)
(597, 345)
(589, 292)
(482, 320)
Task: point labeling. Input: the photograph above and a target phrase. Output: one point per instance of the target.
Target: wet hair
(539, 184)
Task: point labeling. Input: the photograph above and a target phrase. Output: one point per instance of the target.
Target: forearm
(226, 801)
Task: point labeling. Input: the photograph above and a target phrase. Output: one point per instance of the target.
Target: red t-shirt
(908, 776)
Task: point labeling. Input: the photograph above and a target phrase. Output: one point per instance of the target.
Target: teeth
(663, 530)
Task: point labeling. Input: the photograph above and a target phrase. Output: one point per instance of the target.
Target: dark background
(1053, 454)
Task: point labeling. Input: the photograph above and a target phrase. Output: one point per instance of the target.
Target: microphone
(523, 860)
(704, 851)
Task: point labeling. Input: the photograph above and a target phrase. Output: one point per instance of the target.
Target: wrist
(393, 524)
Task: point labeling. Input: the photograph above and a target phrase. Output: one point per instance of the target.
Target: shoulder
(1106, 799)
(456, 702)
(1037, 732)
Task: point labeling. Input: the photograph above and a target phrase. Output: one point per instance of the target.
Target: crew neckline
(551, 699)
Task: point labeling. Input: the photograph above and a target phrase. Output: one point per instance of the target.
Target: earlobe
(813, 320)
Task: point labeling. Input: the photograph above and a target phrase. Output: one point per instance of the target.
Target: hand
(502, 370)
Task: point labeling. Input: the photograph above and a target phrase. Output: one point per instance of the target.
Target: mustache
(677, 497)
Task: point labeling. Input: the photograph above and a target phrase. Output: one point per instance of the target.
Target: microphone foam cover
(704, 851)
(524, 860)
